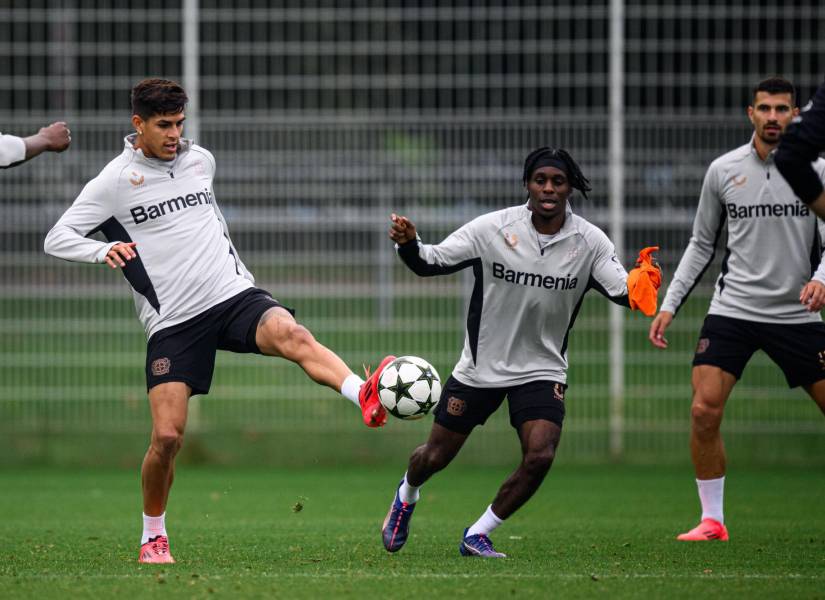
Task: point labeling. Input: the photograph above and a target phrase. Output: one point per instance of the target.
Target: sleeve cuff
(409, 247)
(12, 149)
(101, 255)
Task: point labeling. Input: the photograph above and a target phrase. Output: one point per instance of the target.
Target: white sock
(153, 527)
(711, 494)
(486, 524)
(408, 493)
(350, 388)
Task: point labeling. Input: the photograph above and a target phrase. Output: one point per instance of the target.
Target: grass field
(590, 532)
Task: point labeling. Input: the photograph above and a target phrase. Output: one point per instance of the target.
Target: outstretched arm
(54, 138)
(456, 252)
(14, 150)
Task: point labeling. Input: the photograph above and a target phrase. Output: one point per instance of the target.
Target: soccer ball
(409, 387)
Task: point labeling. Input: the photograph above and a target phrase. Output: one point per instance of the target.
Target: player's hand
(402, 230)
(812, 296)
(658, 327)
(120, 252)
(56, 136)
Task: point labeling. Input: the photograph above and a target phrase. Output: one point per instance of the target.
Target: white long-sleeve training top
(773, 247)
(526, 294)
(12, 149)
(185, 262)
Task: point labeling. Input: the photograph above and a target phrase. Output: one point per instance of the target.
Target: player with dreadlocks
(533, 264)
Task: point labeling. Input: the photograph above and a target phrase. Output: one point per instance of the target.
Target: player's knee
(301, 341)
(167, 442)
(537, 462)
(706, 415)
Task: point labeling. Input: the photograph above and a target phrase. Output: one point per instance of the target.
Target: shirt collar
(567, 228)
(129, 147)
(755, 154)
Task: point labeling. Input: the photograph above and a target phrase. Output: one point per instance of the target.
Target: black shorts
(462, 407)
(186, 352)
(797, 348)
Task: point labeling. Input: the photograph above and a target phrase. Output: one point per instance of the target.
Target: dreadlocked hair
(577, 180)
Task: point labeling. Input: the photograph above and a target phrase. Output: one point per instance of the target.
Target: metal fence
(325, 117)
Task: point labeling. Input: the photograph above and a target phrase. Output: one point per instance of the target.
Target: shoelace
(485, 542)
(400, 511)
(161, 546)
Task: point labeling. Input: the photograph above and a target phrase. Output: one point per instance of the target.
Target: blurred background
(324, 118)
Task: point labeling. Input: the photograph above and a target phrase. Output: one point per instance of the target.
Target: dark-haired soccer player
(532, 264)
(768, 295)
(16, 150)
(799, 149)
(154, 204)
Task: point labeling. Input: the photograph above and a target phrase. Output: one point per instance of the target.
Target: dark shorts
(463, 407)
(797, 348)
(186, 352)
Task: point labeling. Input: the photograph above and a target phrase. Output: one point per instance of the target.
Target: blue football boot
(397, 524)
(478, 545)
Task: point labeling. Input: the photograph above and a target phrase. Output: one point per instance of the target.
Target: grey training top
(774, 242)
(526, 294)
(185, 261)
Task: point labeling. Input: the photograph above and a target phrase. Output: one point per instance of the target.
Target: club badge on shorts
(161, 366)
(456, 406)
(702, 345)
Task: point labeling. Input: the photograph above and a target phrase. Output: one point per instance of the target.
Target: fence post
(191, 66)
(385, 256)
(616, 198)
(191, 83)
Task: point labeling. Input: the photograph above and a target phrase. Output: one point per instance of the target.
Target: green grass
(589, 532)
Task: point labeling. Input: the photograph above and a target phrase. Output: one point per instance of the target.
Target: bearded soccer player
(532, 264)
(153, 202)
(767, 296)
(799, 149)
(16, 150)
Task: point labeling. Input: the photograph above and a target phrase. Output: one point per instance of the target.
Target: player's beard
(771, 138)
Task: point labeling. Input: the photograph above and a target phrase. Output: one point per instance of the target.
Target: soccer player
(15, 150)
(154, 204)
(532, 264)
(799, 149)
(767, 296)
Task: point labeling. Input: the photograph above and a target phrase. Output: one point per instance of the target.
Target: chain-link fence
(324, 117)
